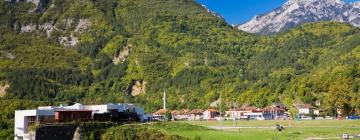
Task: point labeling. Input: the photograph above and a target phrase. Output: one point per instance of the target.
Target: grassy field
(293, 130)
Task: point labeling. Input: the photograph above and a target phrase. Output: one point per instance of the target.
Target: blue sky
(240, 11)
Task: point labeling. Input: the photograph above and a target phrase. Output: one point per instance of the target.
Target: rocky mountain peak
(356, 4)
(297, 12)
(313, 1)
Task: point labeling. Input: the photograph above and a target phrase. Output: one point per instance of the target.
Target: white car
(319, 118)
(260, 118)
(306, 118)
(329, 118)
(230, 119)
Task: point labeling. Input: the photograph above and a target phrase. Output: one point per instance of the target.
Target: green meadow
(264, 130)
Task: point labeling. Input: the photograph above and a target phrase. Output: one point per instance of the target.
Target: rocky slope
(297, 12)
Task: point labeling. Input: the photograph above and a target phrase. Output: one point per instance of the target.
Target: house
(25, 118)
(74, 113)
(305, 109)
(274, 112)
(175, 114)
(210, 114)
(159, 115)
(196, 115)
(184, 114)
(234, 114)
(239, 113)
(180, 114)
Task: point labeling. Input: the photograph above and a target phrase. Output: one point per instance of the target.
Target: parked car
(306, 118)
(230, 119)
(260, 118)
(353, 117)
(329, 118)
(319, 118)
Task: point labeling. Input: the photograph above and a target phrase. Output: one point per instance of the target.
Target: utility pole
(220, 112)
(234, 111)
(164, 100)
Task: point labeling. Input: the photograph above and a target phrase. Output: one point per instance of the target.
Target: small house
(159, 115)
(210, 114)
(196, 115)
(175, 114)
(305, 109)
(274, 112)
(239, 113)
(180, 114)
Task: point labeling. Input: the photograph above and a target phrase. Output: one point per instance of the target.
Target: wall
(56, 132)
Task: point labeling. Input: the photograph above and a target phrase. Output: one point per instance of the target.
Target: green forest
(167, 45)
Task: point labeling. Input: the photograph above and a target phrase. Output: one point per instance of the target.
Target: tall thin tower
(164, 100)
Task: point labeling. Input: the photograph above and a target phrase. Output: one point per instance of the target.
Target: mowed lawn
(293, 130)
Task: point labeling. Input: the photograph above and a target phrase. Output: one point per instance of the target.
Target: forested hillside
(100, 51)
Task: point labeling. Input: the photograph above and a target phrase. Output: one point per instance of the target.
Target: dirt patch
(138, 88)
(82, 26)
(3, 89)
(68, 41)
(122, 55)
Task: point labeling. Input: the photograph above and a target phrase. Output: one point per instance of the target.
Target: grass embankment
(203, 130)
(154, 131)
(296, 130)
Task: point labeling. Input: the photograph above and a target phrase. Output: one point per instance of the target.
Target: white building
(305, 109)
(255, 116)
(239, 113)
(195, 115)
(25, 118)
(210, 114)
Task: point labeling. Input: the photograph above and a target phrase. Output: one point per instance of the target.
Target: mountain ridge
(297, 12)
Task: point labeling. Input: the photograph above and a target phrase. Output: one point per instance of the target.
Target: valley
(131, 51)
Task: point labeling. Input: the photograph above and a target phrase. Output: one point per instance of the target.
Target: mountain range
(298, 12)
(101, 51)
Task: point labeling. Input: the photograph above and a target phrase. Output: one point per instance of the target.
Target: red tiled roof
(160, 112)
(305, 106)
(184, 111)
(72, 110)
(273, 108)
(212, 110)
(196, 111)
(246, 109)
(175, 112)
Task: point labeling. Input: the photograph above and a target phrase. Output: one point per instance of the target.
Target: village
(275, 111)
(127, 112)
(124, 112)
(130, 113)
